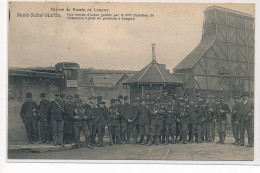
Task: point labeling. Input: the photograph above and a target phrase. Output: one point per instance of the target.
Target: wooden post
(142, 91)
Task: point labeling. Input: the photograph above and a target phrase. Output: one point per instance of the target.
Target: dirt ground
(194, 151)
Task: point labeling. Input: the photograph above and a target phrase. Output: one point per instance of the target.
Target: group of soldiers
(167, 119)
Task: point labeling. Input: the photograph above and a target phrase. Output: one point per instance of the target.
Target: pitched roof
(153, 73)
(190, 60)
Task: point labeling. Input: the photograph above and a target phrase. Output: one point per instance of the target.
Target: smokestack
(153, 52)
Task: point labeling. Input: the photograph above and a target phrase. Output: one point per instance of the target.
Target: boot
(173, 140)
(87, 143)
(118, 140)
(78, 145)
(199, 138)
(223, 139)
(142, 142)
(135, 140)
(191, 138)
(176, 139)
(180, 139)
(150, 141)
(123, 138)
(184, 139)
(113, 138)
(156, 140)
(220, 139)
(128, 138)
(167, 140)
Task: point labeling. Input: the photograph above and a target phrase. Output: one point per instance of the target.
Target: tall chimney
(153, 52)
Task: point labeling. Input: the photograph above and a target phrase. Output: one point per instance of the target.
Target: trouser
(101, 131)
(115, 131)
(156, 128)
(35, 126)
(170, 129)
(144, 129)
(205, 131)
(137, 129)
(192, 130)
(235, 129)
(162, 136)
(84, 129)
(68, 131)
(221, 128)
(184, 131)
(212, 129)
(198, 131)
(248, 125)
(29, 129)
(92, 125)
(178, 130)
(58, 131)
(44, 130)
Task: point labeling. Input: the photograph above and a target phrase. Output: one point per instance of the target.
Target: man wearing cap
(27, 113)
(45, 119)
(69, 121)
(133, 125)
(157, 113)
(170, 121)
(192, 116)
(211, 114)
(114, 119)
(127, 120)
(92, 122)
(102, 113)
(200, 112)
(222, 110)
(144, 123)
(234, 121)
(81, 124)
(57, 110)
(245, 118)
(178, 123)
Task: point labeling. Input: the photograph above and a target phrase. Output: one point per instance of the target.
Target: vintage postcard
(131, 81)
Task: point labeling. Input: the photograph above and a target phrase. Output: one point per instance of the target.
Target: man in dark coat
(234, 120)
(102, 113)
(57, 110)
(211, 114)
(92, 122)
(144, 123)
(45, 119)
(69, 121)
(28, 114)
(222, 110)
(128, 119)
(245, 118)
(192, 120)
(114, 119)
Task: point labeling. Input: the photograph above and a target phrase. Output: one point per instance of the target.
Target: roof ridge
(144, 72)
(160, 72)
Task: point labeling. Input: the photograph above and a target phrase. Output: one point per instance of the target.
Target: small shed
(152, 79)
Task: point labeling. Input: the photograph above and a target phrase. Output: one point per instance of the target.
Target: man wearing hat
(178, 123)
(114, 119)
(245, 118)
(200, 112)
(45, 119)
(135, 117)
(81, 124)
(28, 113)
(222, 110)
(211, 114)
(102, 113)
(234, 121)
(192, 116)
(157, 113)
(127, 120)
(69, 120)
(92, 122)
(57, 110)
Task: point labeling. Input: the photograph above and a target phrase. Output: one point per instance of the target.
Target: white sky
(176, 29)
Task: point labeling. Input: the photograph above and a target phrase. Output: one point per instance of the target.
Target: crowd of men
(167, 119)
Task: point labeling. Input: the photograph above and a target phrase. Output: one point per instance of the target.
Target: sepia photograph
(131, 81)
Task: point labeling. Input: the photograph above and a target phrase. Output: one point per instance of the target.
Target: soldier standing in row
(81, 124)
(92, 122)
(157, 113)
(245, 119)
(211, 113)
(178, 123)
(45, 119)
(234, 121)
(205, 122)
(114, 118)
(57, 116)
(27, 113)
(170, 121)
(192, 120)
(144, 123)
(68, 137)
(102, 113)
(221, 118)
(183, 119)
(127, 120)
(133, 119)
(200, 116)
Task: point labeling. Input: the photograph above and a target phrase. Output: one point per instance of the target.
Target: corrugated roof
(190, 60)
(106, 80)
(153, 73)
